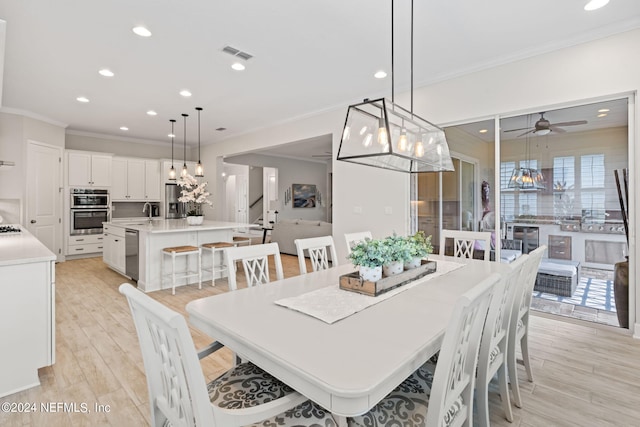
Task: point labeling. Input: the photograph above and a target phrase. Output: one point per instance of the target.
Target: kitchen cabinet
(85, 169)
(85, 244)
(559, 247)
(27, 311)
(135, 180)
(114, 248)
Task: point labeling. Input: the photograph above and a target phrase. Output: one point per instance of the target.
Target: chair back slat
(451, 400)
(354, 238)
(177, 390)
(464, 242)
(317, 249)
(255, 262)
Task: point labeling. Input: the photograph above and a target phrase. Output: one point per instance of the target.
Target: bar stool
(240, 240)
(177, 251)
(216, 247)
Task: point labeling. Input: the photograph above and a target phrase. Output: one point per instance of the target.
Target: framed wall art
(304, 195)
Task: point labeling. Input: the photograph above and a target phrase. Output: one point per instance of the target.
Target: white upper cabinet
(135, 180)
(88, 170)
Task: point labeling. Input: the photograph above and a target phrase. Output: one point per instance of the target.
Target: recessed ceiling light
(106, 72)
(595, 4)
(124, 128)
(152, 113)
(603, 110)
(82, 99)
(380, 74)
(483, 131)
(185, 93)
(238, 66)
(602, 115)
(142, 31)
(171, 135)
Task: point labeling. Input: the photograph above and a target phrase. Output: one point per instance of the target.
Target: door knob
(33, 221)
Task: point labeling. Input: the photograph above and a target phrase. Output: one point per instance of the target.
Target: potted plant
(419, 248)
(399, 253)
(369, 255)
(196, 195)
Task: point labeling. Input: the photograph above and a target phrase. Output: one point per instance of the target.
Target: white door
(44, 195)
(242, 196)
(270, 191)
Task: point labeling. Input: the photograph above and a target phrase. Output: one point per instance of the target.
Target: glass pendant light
(199, 168)
(172, 170)
(185, 172)
(405, 141)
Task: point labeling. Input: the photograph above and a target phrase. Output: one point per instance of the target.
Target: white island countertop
(23, 248)
(176, 225)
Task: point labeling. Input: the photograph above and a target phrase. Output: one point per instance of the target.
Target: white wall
(569, 76)
(292, 171)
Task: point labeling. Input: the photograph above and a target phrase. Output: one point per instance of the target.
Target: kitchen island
(27, 310)
(157, 234)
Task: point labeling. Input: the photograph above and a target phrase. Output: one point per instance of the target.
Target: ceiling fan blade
(556, 129)
(523, 134)
(573, 123)
(513, 130)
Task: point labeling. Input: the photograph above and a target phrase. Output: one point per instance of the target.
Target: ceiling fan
(544, 126)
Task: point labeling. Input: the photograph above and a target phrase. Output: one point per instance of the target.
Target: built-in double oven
(89, 209)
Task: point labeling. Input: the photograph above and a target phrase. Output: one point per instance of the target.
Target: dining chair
(464, 242)
(317, 249)
(353, 238)
(441, 395)
(178, 394)
(255, 261)
(492, 357)
(519, 323)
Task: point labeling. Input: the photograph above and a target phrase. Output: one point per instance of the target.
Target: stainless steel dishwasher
(131, 253)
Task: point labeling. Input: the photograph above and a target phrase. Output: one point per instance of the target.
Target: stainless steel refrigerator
(172, 207)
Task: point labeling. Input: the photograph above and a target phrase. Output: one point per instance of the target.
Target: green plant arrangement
(399, 248)
(193, 193)
(369, 253)
(419, 245)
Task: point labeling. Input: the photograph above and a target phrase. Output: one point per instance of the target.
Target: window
(564, 175)
(592, 181)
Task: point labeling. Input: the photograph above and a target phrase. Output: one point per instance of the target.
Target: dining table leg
(340, 420)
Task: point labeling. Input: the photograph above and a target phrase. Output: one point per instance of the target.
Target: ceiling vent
(236, 52)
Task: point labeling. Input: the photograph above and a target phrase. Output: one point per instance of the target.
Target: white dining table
(348, 366)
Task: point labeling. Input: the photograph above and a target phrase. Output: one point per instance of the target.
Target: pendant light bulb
(199, 168)
(382, 132)
(172, 170)
(402, 142)
(184, 172)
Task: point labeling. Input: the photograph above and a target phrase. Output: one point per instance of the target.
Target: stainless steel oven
(88, 198)
(89, 209)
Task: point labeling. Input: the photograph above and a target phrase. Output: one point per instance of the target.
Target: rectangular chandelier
(526, 179)
(381, 134)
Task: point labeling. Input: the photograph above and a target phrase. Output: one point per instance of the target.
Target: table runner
(331, 303)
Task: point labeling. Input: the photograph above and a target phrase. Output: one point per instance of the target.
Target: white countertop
(22, 248)
(176, 225)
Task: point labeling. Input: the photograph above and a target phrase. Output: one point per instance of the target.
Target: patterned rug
(594, 293)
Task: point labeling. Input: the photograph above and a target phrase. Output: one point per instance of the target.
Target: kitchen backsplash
(10, 210)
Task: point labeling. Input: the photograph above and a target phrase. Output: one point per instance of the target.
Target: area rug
(593, 293)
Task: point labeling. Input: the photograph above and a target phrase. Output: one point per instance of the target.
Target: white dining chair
(519, 323)
(178, 394)
(441, 395)
(464, 242)
(353, 238)
(316, 247)
(492, 357)
(255, 261)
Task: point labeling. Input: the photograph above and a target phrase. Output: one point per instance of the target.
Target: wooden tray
(354, 283)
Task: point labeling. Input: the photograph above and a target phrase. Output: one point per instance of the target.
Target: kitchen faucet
(144, 209)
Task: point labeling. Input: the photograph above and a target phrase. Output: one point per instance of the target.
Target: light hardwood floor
(585, 375)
